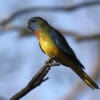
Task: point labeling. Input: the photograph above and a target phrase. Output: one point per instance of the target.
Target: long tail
(85, 77)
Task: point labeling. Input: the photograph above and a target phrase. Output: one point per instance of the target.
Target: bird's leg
(56, 60)
(53, 61)
(50, 60)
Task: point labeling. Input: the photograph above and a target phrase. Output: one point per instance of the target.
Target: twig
(80, 38)
(38, 79)
(88, 37)
(46, 9)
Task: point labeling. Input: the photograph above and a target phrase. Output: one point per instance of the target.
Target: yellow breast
(48, 46)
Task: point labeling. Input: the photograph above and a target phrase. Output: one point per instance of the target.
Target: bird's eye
(33, 20)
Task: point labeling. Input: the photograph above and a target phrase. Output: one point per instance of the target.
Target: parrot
(54, 44)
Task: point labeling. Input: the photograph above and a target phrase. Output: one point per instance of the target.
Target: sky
(21, 58)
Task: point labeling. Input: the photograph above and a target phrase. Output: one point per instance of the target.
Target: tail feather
(85, 77)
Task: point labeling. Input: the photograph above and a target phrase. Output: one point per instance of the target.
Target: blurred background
(21, 57)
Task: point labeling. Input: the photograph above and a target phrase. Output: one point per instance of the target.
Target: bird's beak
(28, 26)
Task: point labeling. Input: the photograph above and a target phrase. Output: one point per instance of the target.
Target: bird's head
(36, 23)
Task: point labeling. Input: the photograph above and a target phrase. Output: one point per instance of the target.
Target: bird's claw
(53, 62)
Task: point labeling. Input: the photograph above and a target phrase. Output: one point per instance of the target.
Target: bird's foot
(53, 61)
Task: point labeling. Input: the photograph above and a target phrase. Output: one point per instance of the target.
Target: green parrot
(54, 45)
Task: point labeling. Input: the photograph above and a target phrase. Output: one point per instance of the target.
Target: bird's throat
(37, 33)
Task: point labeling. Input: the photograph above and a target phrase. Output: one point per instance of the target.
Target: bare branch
(88, 37)
(37, 80)
(50, 9)
(80, 38)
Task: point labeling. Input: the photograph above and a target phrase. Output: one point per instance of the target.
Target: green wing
(62, 44)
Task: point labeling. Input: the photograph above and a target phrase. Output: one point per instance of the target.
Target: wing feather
(62, 44)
